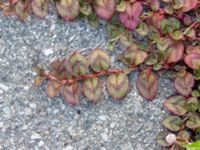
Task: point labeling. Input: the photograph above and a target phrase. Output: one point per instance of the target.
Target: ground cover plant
(161, 38)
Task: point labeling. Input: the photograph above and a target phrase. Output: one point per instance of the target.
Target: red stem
(50, 76)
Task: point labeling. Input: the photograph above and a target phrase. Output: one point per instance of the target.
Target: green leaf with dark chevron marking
(99, 60)
(79, 64)
(118, 85)
(92, 89)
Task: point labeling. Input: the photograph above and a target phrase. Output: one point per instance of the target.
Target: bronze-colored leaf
(71, 93)
(53, 88)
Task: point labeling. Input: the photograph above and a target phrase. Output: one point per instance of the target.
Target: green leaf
(193, 146)
(134, 56)
(92, 89)
(193, 122)
(142, 29)
(79, 64)
(169, 25)
(99, 60)
(163, 43)
(117, 85)
(85, 8)
(177, 105)
(177, 35)
(93, 20)
(173, 123)
(147, 84)
(192, 104)
(121, 6)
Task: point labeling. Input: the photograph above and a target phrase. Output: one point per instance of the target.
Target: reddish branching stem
(50, 76)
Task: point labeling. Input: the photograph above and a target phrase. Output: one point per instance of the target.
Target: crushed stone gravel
(31, 121)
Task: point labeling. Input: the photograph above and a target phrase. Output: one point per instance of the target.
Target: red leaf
(184, 84)
(193, 60)
(105, 8)
(147, 84)
(130, 18)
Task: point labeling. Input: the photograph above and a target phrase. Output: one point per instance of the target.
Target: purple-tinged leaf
(193, 122)
(154, 4)
(92, 89)
(193, 60)
(68, 9)
(40, 8)
(177, 105)
(53, 88)
(193, 49)
(176, 50)
(173, 123)
(104, 8)
(184, 84)
(99, 60)
(187, 20)
(117, 85)
(189, 5)
(71, 93)
(130, 18)
(147, 84)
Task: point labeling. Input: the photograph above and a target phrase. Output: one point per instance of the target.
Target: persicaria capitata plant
(161, 38)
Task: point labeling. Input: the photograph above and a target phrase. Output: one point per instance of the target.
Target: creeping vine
(161, 38)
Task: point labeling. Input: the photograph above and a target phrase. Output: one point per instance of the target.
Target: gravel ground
(30, 120)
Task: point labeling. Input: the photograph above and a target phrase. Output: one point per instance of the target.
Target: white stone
(103, 118)
(41, 143)
(104, 136)
(3, 87)
(35, 136)
(112, 125)
(53, 27)
(33, 105)
(48, 51)
(69, 147)
(170, 138)
(1, 124)
(1, 92)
